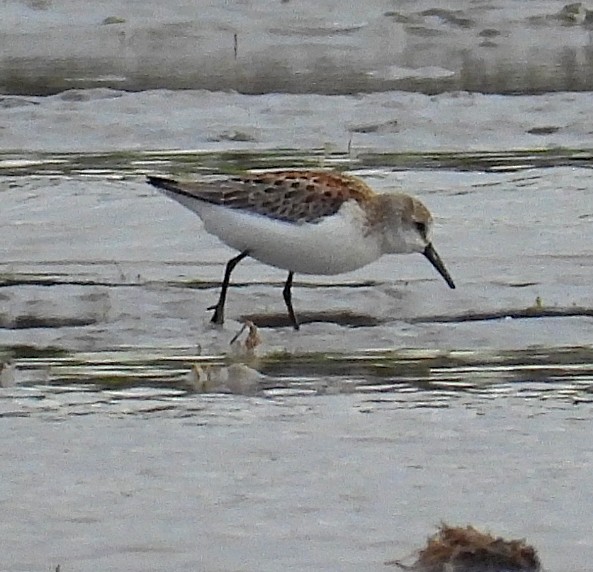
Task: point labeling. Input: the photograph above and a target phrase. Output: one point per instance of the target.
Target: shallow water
(335, 482)
(87, 268)
(139, 439)
(134, 437)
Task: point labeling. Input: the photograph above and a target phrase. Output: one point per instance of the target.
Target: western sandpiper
(311, 222)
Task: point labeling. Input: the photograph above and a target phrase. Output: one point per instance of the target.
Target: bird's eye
(421, 227)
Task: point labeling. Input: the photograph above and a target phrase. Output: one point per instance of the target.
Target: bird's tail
(162, 183)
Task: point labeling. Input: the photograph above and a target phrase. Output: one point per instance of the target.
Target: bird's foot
(218, 316)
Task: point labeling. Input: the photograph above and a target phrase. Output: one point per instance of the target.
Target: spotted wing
(290, 196)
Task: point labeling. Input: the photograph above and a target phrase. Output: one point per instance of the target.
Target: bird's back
(289, 196)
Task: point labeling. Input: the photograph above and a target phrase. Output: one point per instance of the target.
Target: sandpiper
(304, 221)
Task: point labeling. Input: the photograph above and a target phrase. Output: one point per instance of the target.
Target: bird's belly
(331, 246)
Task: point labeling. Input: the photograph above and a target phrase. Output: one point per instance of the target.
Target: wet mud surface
(495, 46)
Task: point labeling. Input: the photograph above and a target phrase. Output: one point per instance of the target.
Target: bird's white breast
(334, 245)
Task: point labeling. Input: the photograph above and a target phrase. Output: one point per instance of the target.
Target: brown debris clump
(458, 549)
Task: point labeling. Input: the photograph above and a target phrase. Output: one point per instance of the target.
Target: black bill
(436, 261)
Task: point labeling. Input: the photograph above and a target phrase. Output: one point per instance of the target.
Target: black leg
(288, 301)
(218, 317)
